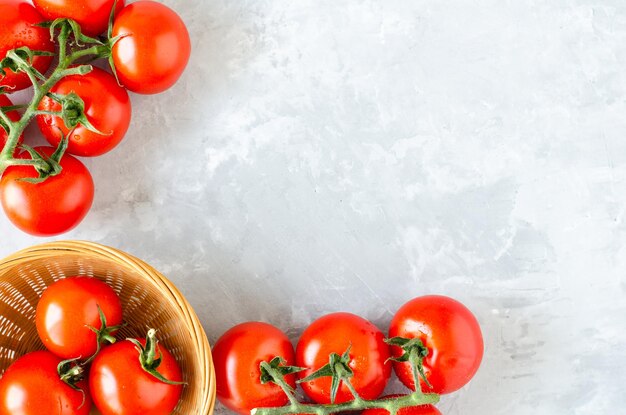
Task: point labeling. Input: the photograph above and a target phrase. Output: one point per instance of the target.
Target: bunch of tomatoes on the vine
(343, 362)
(77, 319)
(80, 109)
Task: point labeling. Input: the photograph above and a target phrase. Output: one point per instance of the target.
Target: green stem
(280, 381)
(391, 404)
(40, 90)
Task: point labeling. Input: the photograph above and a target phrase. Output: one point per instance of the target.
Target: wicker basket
(149, 300)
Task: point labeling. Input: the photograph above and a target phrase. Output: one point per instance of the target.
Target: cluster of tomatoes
(149, 47)
(77, 318)
(447, 329)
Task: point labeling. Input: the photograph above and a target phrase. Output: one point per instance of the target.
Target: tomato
(51, 207)
(411, 410)
(120, 386)
(237, 356)
(453, 338)
(91, 15)
(335, 333)
(13, 116)
(154, 48)
(17, 29)
(31, 386)
(68, 308)
(107, 108)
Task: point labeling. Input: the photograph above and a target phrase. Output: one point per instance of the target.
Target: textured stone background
(323, 155)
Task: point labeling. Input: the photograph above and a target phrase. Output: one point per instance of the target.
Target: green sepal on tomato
(151, 49)
(121, 384)
(53, 206)
(91, 15)
(32, 385)
(237, 356)
(337, 333)
(452, 336)
(18, 20)
(76, 315)
(107, 109)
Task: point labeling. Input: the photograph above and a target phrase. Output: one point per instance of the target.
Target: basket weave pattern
(148, 298)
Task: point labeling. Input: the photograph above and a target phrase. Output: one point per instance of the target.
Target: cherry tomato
(51, 207)
(120, 386)
(13, 116)
(68, 308)
(17, 29)
(31, 386)
(154, 48)
(237, 356)
(411, 410)
(334, 333)
(452, 335)
(91, 15)
(107, 108)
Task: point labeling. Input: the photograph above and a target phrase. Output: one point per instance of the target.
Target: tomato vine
(338, 368)
(72, 47)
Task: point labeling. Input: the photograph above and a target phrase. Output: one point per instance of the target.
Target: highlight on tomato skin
(335, 333)
(16, 18)
(452, 335)
(237, 355)
(153, 47)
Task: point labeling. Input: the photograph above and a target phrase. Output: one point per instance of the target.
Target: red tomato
(237, 356)
(411, 410)
(52, 207)
(334, 333)
(13, 116)
(120, 386)
(452, 335)
(107, 108)
(31, 386)
(17, 29)
(91, 15)
(154, 49)
(66, 310)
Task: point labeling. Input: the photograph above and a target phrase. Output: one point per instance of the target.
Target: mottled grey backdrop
(348, 155)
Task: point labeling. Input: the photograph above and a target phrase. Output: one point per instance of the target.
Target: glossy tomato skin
(237, 356)
(411, 410)
(107, 107)
(51, 207)
(452, 335)
(67, 308)
(119, 385)
(31, 386)
(13, 116)
(91, 15)
(334, 333)
(17, 29)
(154, 49)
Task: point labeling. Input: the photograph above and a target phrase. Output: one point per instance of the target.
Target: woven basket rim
(182, 306)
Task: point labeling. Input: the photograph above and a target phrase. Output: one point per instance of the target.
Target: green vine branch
(338, 369)
(72, 47)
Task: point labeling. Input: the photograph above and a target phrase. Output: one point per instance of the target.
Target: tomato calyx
(339, 370)
(20, 60)
(148, 357)
(103, 334)
(413, 351)
(71, 373)
(67, 26)
(73, 111)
